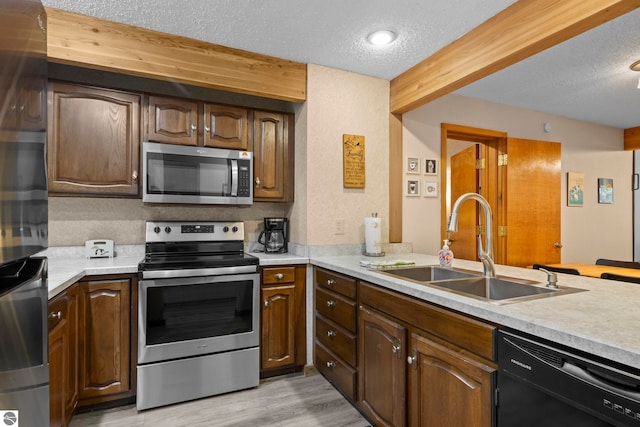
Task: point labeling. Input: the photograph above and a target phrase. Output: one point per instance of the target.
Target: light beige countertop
(66, 265)
(604, 320)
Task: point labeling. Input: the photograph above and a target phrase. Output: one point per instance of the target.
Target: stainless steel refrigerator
(636, 205)
(24, 364)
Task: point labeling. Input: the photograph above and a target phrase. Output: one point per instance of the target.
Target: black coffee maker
(275, 236)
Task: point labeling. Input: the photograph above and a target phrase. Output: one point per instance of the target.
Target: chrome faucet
(485, 256)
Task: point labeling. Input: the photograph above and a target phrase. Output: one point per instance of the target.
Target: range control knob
(234, 229)
(156, 229)
(167, 229)
(225, 229)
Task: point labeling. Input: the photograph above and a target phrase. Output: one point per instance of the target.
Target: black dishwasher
(546, 384)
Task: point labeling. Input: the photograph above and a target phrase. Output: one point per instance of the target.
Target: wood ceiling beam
(518, 32)
(90, 42)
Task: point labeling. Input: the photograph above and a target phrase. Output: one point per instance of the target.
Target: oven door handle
(199, 272)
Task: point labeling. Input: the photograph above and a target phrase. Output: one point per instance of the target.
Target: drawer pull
(331, 303)
(331, 333)
(279, 276)
(330, 282)
(331, 364)
(55, 315)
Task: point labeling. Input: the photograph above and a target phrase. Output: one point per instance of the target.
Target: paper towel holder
(378, 254)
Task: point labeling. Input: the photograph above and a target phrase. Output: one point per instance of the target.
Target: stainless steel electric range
(198, 313)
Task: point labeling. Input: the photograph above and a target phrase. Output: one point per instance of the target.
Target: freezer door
(636, 205)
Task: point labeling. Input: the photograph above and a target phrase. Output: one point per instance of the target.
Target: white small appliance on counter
(99, 248)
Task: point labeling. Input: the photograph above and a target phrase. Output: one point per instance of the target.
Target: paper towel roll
(373, 235)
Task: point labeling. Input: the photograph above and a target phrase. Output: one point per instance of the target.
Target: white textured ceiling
(586, 78)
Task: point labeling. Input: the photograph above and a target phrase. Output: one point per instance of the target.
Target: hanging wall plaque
(353, 165)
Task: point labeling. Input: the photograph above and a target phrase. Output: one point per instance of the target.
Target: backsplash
(74, 220)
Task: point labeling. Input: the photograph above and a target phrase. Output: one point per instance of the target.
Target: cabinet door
(72, 370)
(448, 387)
(105, 325)
(58, 360)
(381, 368)
(278, 326)
(93, 141)
(173, 121)
(226, 127)
(272, 177)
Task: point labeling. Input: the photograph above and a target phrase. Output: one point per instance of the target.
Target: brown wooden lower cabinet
(283, 327)
(448, 387)
(63, 387)
(107, 338)
(92, 344)
(382, 364)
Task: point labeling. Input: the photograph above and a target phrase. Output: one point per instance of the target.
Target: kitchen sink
(428, 273)
(499, 290)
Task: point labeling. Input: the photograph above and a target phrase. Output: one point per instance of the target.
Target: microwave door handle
(234, 178)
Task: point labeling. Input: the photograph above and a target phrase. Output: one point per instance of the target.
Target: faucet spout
(485, 255)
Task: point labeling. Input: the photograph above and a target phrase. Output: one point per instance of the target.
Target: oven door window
(188, 175)
(189, 312)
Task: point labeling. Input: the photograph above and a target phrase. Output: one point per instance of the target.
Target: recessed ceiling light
(381, 38)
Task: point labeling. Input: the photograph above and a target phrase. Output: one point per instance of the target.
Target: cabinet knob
(193, 128)
(331, 303)
(279, 276)
(257, 181)
(266, 303)
(55, 315)
(331, 333)
(331, 282)
(206, 129)
(331, 364)
(412, 359)
(134, 176)
(395, 349)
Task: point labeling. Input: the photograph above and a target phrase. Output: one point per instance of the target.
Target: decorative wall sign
(575, 188)
(413, 165)
(413, 188)
(430, 189)
(430, 167)
(605, 190)
(353, 162)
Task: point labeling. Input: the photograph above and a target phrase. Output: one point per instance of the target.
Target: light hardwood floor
(300, 401)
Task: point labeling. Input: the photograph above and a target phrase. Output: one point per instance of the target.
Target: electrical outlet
(339, 226)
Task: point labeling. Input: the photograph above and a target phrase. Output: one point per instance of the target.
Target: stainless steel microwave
(196, 175)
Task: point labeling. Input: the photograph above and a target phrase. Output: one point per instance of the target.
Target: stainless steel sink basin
(499, 290)
(428, 273)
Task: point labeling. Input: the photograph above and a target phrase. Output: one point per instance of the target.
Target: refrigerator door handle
(635, 181)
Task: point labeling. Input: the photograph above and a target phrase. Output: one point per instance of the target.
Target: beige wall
(589, 232)
(340, 102)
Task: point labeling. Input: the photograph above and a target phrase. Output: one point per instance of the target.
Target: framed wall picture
(605, 190)
(413, 188)
(430, 189)
(430, 167)
(413, 165)
(575, 188)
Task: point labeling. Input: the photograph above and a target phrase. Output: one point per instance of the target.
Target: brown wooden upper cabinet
(187, 122)
(93, 141)
(273, 169)
(27, 105)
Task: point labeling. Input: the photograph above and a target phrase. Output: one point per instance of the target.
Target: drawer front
(337, 283)
(277, 275)
(336, 339)
(341, 375)
(336, 308)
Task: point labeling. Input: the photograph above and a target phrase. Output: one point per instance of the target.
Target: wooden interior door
(532, 201)
(464, 179)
